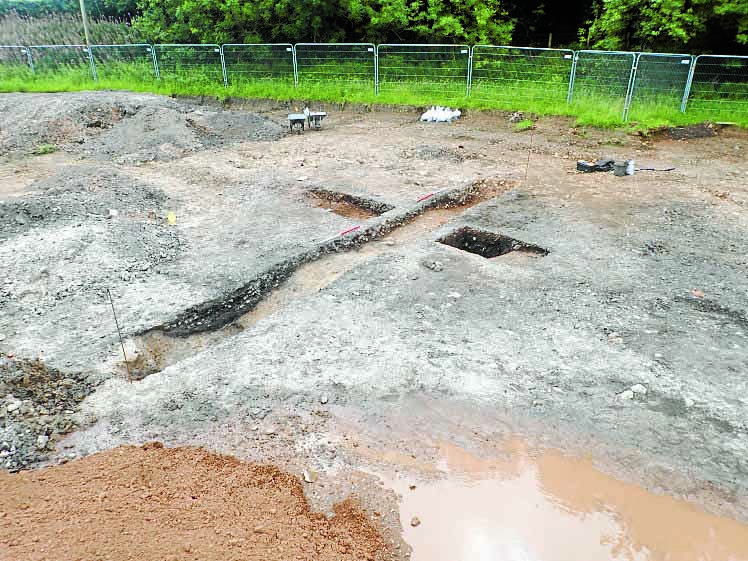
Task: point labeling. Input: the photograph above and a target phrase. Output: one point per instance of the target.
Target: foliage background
(692, 26)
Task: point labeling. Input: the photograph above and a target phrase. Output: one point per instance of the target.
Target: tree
(535, 19)
(296, 21)
(672, 25)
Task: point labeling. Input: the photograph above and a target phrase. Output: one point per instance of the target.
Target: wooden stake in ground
(122, 344)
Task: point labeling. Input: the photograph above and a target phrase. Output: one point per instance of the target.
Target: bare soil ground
(156, 503)
(290, 299)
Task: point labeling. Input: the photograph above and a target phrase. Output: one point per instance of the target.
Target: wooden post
(84, 16)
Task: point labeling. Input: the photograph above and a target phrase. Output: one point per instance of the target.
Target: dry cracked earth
(385, 339)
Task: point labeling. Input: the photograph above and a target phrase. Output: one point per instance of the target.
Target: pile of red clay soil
(154, 503)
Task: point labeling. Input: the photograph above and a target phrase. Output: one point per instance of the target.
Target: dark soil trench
(271, 291)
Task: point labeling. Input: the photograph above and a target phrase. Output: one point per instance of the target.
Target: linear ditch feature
(488, 244)
(348, 206)
(209, 323)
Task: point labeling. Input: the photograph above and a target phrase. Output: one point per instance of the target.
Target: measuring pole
(127, 364)
(84, 16)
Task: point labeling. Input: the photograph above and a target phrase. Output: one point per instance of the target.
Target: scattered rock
(639, 389)
(434, 265)
(516, 117)
(415, 521)
(310, 476)
(626, 395)
(324, 399)
(42, 441)
(40, 404)
(412, 487)
(2, 337)
(112, 213)
(697, 293)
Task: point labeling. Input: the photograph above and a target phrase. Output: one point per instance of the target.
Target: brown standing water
(552, 507)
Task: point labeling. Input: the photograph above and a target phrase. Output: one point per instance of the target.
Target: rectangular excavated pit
(349, 206)
(488, 244)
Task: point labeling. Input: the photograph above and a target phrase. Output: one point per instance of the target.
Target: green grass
(546, 99)
(44, 149)
(524, 125)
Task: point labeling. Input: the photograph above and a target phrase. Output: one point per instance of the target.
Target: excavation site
(376, 339)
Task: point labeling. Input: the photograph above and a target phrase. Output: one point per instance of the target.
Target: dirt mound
(702, 130)
(151, 502)
(37, 404)
(83, 231)
(75, 194)
(120, 126)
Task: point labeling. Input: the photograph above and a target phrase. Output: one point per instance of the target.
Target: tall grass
(63, 29)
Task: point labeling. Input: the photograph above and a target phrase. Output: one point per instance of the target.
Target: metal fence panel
(513, 76)
(659, 82)
(68, 61)
(247, 63)
(440, 70)
(15, 62)
(601, 81)
(349, 64)
(194, 64)
(124, 62)
(719, 87)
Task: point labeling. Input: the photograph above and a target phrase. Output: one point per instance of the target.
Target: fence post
(376, 69)
(470, 70)
(223, 68)
(689, 81)
(29, 58)
(295, 67)
(91, 62)
(572, 75)
(631, 86)
(155, 62)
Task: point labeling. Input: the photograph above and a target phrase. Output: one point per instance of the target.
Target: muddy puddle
(530, 506)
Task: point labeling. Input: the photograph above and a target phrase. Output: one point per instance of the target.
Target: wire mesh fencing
(601, 81)
(658, 84)
(439, 71)
(249, 65)
(519, 77)
(719, 87)
(15, 63)
(69, 63)
(610, 85)
(341, 68)
(124, 63)
(196, 65)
